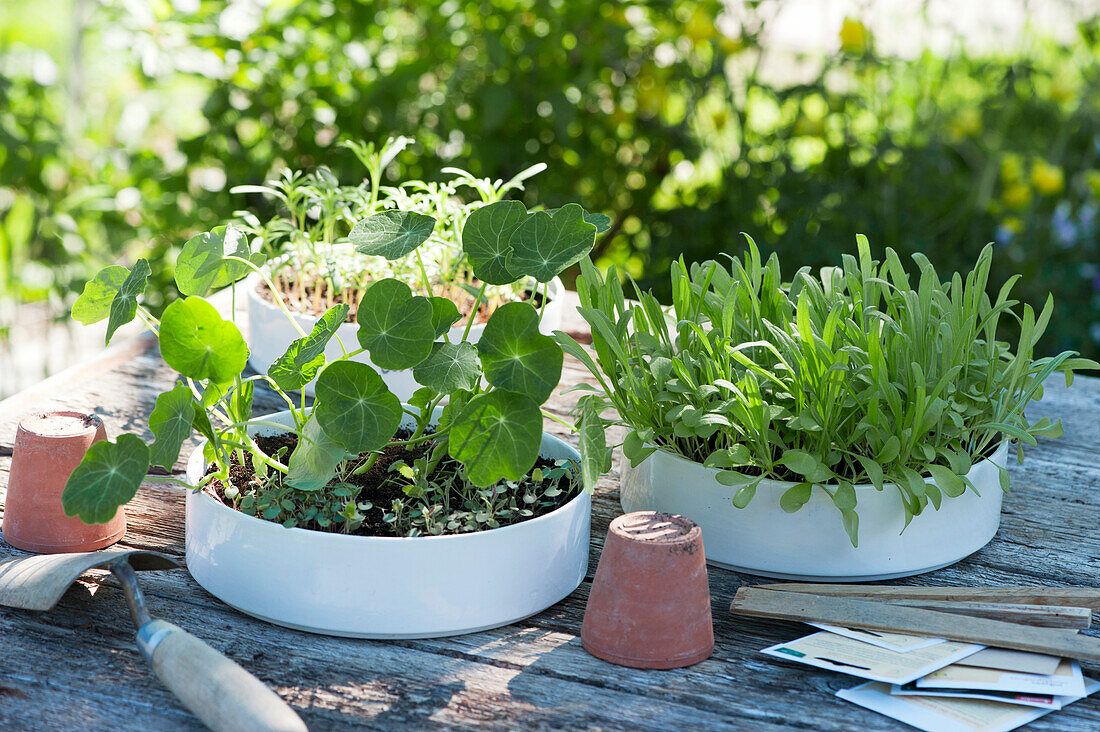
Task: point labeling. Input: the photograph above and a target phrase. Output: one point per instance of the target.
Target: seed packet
(1023, 662)
(1039, 701)
(850, 656)
(934, 714)
(1065, 681)
(882, 639)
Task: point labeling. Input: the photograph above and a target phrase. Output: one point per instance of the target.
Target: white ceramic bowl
(376, 587)
(270, 333)
(811, 544)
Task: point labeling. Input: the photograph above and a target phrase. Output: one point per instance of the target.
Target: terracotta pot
(48, 447)
(650, 603)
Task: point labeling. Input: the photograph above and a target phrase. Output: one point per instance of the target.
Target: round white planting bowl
(376, 587)
(811, 544)
(270, 333)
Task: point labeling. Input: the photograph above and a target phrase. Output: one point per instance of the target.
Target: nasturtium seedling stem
(275, 290)
(473, 312)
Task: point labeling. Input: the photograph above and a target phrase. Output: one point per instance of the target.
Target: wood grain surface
(76, 667)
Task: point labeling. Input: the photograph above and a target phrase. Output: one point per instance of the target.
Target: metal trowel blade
(37, 582)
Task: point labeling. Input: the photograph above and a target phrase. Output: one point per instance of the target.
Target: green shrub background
(649, 113)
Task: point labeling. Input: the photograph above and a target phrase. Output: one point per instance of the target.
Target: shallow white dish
(811, 544)
(380, 587)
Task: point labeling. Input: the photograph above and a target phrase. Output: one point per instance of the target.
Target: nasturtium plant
(112, 294)
(516, 356)
(124, 303)
(489, 394)
(213, 260)
(392, 234)
(487, 237)
(171, 424)
(355, 408)
(396, 328)
(306, 355)
(197, 342)
(107, 477)
(861, 374)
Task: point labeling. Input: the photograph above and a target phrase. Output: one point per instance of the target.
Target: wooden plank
(78, 667)
(1043, 616)
(1084, 597)
(107, 361)
(869, 615)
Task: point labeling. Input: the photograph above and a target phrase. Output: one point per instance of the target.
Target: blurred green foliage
(647, 112)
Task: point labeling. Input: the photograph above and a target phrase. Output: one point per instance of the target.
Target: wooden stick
(1043, 616)
(854, 613)
(1074, 596)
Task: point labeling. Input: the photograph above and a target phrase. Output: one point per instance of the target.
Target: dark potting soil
(377, 485)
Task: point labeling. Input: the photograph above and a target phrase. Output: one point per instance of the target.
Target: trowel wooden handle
(218, 691)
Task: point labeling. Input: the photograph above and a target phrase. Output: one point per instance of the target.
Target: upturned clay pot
(649, 606)
(48, 447)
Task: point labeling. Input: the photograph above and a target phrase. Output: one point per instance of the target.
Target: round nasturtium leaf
(171, 422)
(113, 294)
(313, 463)
(94, 303)
(391, 234)
(202, 267)
(449, 367)
(485, 240)
(395, 326)
(196, 342)
(602, 222)
(516, 356)
(497, 436)
(355, 408)
(444, 314)
(124, 304)
(545, 244)
(108, 477)
(306, 355)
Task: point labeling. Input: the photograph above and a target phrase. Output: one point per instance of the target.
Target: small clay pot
(650, 603)
(48, 447)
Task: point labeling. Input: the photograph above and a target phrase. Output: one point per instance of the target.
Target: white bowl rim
(253, 281)
(338, 537)
(1001, 451)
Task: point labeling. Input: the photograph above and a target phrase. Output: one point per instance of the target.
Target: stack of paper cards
(935, 714)
(857, 658)
(938, 685)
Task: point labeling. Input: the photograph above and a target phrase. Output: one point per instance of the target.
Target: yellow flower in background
(1062, 89)
(967, 123)
(1016, 195)
(1048, 179)
(853, 36)
(1011, 168)
(731, 46)
(1092, 180)
(970, 121)
(1013, 224)
(700, 26)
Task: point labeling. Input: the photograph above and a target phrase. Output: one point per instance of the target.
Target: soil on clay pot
(384, 490)
(309, 294)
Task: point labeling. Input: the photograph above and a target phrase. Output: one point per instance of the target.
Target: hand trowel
(218, 691)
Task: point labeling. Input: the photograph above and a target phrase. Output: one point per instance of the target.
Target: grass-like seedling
(857, 375)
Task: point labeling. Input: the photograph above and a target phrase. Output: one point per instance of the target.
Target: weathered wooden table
(76, 667)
